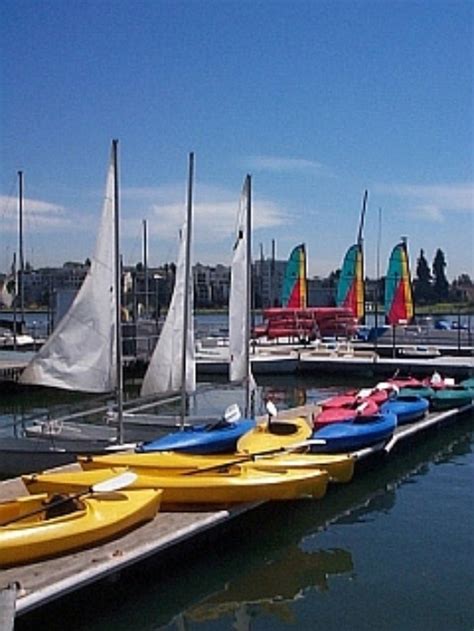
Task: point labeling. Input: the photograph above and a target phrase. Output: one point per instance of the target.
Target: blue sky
(317, 100)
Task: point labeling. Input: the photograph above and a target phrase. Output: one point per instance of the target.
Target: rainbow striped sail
(350, 288)
(399, 307)
(294, 293)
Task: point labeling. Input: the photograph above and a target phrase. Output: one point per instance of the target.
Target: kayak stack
(231, 461)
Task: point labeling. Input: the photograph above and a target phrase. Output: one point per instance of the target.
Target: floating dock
(39, 583)
(280, 360)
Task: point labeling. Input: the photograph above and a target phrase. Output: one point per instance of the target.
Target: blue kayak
(344, 437)
(407, 408)
(214, 438)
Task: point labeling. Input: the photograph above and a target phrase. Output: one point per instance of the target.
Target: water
(393, 549)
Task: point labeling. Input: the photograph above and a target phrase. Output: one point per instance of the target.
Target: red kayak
(345, 414)
(406, 382)
(378, 395)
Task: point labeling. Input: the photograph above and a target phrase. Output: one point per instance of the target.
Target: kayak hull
(202, 439)
(275, 434)
(345, 414)
(407, 409)
(451, 397)
(95, 519)
(339, 468)
(242, 483)
(347, 437)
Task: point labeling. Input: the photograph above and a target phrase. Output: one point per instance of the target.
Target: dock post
(7, 607)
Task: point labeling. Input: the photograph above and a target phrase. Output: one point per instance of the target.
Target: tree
(440, 285)
(422, 284)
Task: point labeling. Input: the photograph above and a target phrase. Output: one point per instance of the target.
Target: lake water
(392, 550)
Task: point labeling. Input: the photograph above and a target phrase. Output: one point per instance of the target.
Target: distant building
(268, 276)
(211, 285)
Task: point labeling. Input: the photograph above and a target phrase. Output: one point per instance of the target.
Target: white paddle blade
(271, 409)
(232, 414)
(115, 484)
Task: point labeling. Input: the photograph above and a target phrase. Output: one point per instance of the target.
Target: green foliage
(440, 285)
(422, 284)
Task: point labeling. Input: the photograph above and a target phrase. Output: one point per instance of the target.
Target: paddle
(106, 486)
(253, 456)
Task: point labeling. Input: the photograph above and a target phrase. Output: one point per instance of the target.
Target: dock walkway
(42, 582)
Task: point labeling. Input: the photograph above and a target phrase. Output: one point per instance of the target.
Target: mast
(248, 267)
(145, 263)
(20, 246)
(377, 284)
(186, 286)
(118, 293)
(362, 218)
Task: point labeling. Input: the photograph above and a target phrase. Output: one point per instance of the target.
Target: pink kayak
(344, 414)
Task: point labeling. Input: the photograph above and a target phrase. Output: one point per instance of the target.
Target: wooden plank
(7, 607)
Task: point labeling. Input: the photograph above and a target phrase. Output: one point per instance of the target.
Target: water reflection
(268, 564)
(270, 587)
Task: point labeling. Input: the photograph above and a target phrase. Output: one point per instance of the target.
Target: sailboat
(82, 354)
(399, 306)
(295, 283)
(220, 436)
(295, 320)
(350, 288)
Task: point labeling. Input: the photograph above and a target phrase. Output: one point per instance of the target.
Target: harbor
(236, 316)
(46, 581)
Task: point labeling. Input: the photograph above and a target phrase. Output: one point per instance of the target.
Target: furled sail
(239, 299)
(294, 293)
(164, 373)
(350, 288)
(399, 308)
(80, 354)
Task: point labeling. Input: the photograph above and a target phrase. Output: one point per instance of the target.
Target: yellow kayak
(242, 483)
(339, 466)
(40, 526)
(274, 434)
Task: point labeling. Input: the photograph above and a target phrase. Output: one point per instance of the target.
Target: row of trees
(431, 286)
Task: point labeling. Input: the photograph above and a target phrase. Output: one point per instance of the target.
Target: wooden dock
(288, 360)
(42, 582)
(11, 366)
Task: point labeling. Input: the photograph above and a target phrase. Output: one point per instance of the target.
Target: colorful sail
(294, 294)
(350, 289)
(399, 308)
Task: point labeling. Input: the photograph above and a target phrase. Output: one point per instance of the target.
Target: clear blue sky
(318, 100)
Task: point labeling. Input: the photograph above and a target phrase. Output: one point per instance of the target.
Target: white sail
(164, 373)
(80, 354)
(239, 308)
(8, 291)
